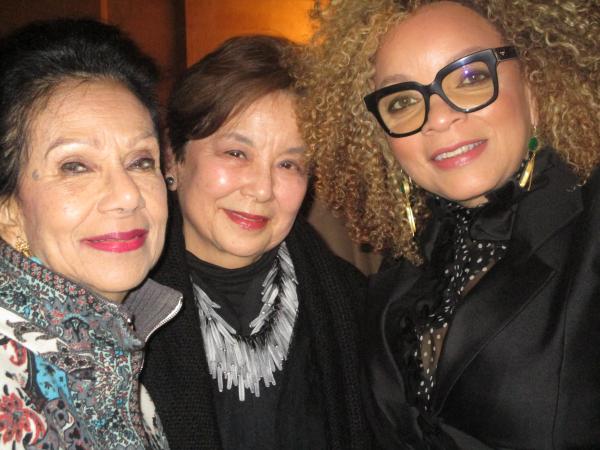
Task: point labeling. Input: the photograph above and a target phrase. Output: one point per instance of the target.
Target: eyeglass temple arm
(503, 53)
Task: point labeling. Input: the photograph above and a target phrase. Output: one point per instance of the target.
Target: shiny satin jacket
(69, 364)
(520, 366)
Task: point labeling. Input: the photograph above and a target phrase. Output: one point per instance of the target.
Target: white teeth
(458, 151)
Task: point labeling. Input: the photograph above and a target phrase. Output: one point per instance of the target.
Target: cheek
(290, 196)
(221, 179)
(512, 106)
(158, 212)
(510, 121)
(210, 183)
(54, 222)
(155, 195)
(53, 213)
(407, 151)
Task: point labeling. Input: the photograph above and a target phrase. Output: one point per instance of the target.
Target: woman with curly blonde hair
(460, 137)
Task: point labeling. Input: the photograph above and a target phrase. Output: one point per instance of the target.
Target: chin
(469, 196)
(121, 283)
(247, 253)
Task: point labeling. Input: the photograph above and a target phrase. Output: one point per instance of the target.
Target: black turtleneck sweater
(317, 399)
(248, 424)
(236, 291)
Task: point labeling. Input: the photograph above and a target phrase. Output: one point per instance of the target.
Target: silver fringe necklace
(241, 361)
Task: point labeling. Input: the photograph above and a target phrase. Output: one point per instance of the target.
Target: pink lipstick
(458, 155)
(118, 242)
(247, 221)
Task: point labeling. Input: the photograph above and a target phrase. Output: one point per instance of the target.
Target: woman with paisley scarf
(460, 137)
(83, 214)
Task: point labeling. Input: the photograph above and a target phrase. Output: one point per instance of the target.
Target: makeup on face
(117, 242)
(94, 208)
(247, 221)
(453, 151)
(241, 188)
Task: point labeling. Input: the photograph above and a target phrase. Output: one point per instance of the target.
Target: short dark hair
(38, 58)
(237, 73)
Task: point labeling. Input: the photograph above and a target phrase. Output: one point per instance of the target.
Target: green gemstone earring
(527, 175)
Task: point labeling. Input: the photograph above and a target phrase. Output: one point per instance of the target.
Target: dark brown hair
(224, 82)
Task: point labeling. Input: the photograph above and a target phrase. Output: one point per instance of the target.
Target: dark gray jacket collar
(150, 306)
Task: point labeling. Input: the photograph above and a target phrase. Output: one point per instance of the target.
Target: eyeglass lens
(466, 87)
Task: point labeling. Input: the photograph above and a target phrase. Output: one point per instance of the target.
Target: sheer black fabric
(518, 364)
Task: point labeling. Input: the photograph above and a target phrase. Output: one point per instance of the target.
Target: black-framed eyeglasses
(467, 85)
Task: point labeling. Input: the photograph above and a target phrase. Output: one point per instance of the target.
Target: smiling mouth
(247, 221)
(457, 152)
(118, 242)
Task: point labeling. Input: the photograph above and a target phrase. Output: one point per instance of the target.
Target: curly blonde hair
(355, 171)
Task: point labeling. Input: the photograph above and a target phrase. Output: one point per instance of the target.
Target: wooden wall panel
(14, 13)
(210, 22)
(158, 26)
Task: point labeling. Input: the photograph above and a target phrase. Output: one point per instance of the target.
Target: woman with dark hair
(264, 353)
(82, 220)
(474, 127)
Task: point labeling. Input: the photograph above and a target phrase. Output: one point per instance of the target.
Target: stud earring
(406, 190)
(22, 246)
(170, 180)
(527, 175)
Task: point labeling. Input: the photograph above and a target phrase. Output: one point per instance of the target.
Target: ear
(170, 169)
(11, 220)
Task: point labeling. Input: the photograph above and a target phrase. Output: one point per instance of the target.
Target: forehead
(82, 93)
(433, 36)
(274, 108)
(88, 104)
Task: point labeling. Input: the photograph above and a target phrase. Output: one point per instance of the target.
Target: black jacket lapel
(528, 266)
(496, 299)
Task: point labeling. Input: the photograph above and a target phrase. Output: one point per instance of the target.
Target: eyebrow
(142, 136)
(61, 141)
(240, 138)
(245, 140)
(400, 78)
(93, 142)
(296, 150)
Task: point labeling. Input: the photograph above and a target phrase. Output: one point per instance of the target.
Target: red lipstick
(118, 242)
(458, 155)
(247, 221)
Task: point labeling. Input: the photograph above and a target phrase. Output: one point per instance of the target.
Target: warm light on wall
(210, 22)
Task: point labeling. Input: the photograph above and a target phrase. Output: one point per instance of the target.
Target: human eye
(291, 165)
(401, 102)
(144, 164)
(74, 168)
(474, 78)
(236, 154)
(471, 76)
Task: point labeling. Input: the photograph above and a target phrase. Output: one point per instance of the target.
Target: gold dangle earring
(527, 175)
(22, 246)
(406, 189)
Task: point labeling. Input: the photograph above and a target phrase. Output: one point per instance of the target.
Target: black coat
(323, 360)
(520, 365)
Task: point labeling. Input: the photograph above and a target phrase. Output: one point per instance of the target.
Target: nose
(121, 193)
(259, 183)
(441, 115)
